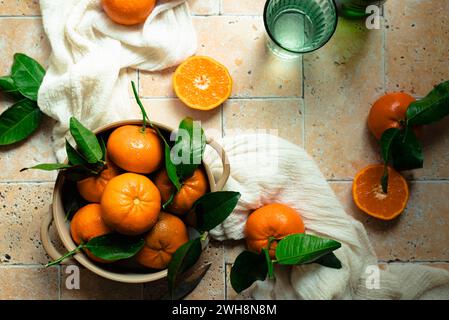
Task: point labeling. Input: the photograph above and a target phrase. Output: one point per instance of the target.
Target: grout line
(24, 266)
(59, 282)
(8, 182)
(384, 49)
(20, 16)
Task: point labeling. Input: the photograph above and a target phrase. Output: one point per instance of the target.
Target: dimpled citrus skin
(135, 151)
(273, 220)
(168, 234)
(130, 204)
(192, 189)
(86, 224)
(91, 189)
(128, 12)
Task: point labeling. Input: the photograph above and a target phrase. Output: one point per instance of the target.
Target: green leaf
(8, 87)
(248, 268)
(303, 248)
(74, 157)
(183, 258)
(103, 148)
(113, 246)
(434, 107)
(213, 208)
(171, 168)
(407, 151)
(189, 148)
(19, 121)
(329, 260)
(386, 142)
(269, 262)
(27, 74)
(86, 141)
(49, 167)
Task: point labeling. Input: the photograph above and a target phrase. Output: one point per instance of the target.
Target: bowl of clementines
(126, 198)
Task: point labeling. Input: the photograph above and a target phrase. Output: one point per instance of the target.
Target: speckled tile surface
(319, 101)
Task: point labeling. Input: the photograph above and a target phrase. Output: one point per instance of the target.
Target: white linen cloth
(87, 74)
(266, 169)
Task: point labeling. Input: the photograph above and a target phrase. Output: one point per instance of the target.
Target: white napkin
(266, 169)
(87, 76)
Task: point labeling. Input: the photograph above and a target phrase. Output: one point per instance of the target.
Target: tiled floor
(306, 105)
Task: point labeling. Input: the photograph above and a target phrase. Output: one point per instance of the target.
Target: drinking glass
(295, 27)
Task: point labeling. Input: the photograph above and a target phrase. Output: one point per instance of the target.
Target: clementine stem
(67, 255)
(142, 109)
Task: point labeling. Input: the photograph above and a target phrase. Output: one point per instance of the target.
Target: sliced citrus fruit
(369, 197)
(202, 83)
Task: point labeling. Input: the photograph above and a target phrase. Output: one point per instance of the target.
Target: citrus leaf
(113, 246)
(19, 121)
(248, 268)
(86, 141)
(27, 74)
(171, 168)
(386, 142)
(407, 151)
(8, 87)
(303, 248)
(213, 208)
(103, 148)
(432, 108)
(329, 260)
(49, 167)
(183, 258)
(74, 157)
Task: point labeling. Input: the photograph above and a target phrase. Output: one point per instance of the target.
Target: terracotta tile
(93, 287)
(249, 7)
(417, 41)
(283, 117)
(240, 44)
(204, 7)
(19, 7)
(232, 249)
(337, 101)
(29, 283)
(230, 292)
(23, 206)
(171, 111)
(419, 234)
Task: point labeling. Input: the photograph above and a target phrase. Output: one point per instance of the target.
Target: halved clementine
(369, 197)
(202, 83)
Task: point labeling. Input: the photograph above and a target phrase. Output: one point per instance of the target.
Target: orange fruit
(130, 204)
(389, 112)
(274, 220)
(135, 151)
(162, 241)
(91, 189)
(128, 12)
(86, 224)
(369, 197)
(192, 189)
(202, 83)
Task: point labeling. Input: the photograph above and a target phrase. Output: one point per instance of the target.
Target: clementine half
(168, 234)
(389, 112)
(128, 12)
(134, 150)
(271, 221)
(202, 83)
(130, 204)
(91, 189)
(192, 189)
(86, 224)
(369, 197)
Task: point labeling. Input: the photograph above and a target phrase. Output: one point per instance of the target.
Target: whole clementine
(130, 204)
(86, 224)
(128, 12)
(168, 234)
(135, 150)
(274, 221)
(192, 189)
(91, 189)
(389, 112)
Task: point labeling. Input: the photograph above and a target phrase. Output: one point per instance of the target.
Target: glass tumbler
(295, 27)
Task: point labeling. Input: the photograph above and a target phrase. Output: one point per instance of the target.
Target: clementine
(369, 197)
(162, 241)
(128, 12)
(134, 150)
(202, 83)
(192, 189)
(274, 221)
(91, 189)
(389, 112)
(86, 224)
(130, 204)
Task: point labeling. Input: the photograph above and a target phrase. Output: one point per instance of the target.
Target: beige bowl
(57, 216)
